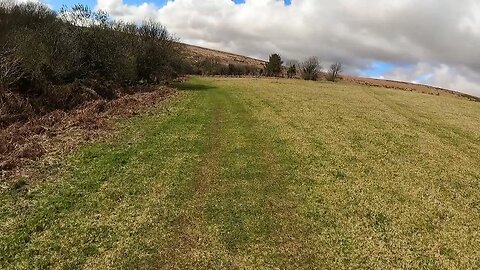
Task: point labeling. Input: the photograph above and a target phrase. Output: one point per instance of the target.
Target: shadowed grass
(253, 174)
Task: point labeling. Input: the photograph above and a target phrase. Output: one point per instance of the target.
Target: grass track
(245, 173)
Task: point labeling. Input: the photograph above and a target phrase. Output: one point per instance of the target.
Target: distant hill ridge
(197, 53)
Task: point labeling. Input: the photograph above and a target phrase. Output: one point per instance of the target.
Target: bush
(274, 65)
(41, 51)
(210, 67)
(292, 71)
(213, 66)
(158, 53)
(334, 71)
(311, 69)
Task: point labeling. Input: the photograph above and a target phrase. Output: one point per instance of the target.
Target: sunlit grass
(257, 173)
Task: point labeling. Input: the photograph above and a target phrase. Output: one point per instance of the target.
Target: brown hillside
(197, 54)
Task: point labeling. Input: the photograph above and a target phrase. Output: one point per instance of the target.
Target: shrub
(292, 68)
(334, 71)
(158, 53)
(292, 71)
(311, 69)
(41, 51)
(210, 66)
(213, 66)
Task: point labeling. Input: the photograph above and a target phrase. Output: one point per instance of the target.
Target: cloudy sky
(434, 42)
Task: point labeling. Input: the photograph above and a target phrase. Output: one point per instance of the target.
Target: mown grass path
(262, 174)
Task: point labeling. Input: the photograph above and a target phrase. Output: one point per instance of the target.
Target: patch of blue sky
(377, 69)
(57, 4)
(158, 3)
(287, 2)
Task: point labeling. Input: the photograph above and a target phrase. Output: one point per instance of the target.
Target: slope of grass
(245, 173)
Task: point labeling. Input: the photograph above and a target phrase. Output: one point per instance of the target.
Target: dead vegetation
(60, 131)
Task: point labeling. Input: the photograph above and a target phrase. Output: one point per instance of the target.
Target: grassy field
(262, 174)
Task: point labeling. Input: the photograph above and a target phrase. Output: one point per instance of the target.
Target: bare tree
(10, 67)
(310, 69)
(334, 71)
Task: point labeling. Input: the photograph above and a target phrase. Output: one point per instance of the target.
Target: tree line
(309, 69)
(212, 66)
(43, 51)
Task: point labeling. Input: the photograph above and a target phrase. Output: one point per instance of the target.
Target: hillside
(196, 54)
(256, 173)
(406, 86)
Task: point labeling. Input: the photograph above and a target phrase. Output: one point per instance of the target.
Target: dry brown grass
(60, 131)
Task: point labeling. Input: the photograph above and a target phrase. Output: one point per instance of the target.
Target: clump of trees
(311, 69)
(42, 50)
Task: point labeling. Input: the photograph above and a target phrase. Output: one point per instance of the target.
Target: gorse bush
(41, 49)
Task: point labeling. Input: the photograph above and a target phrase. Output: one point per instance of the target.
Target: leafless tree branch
(10, 67)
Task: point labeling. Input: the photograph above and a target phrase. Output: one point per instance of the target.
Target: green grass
(261, 174)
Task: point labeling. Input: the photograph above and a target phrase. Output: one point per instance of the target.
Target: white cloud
(130, 13)
(20, 1)
(438, 75)
(431, 35)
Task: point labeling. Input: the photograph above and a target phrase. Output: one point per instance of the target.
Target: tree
(274, 65)
(292, 71)
(334, 71)
(292, 68)
(158, 52)
(310, 69)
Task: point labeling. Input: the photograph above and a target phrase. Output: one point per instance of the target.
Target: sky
(435, 42)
